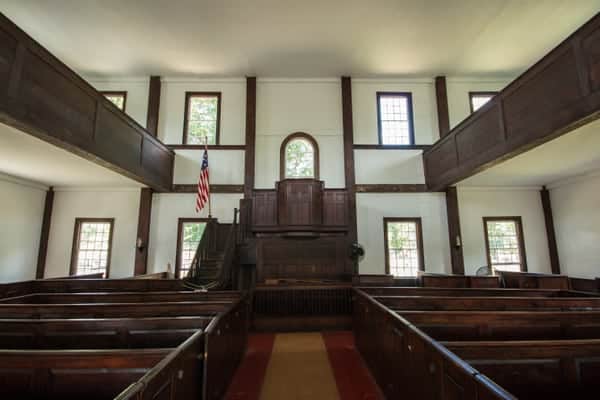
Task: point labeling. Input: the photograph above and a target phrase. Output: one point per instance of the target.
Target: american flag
(203, 195)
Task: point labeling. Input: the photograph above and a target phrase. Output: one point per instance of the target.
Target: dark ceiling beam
(561, 92)
(153, 105)
(41, 96)
(441, 96)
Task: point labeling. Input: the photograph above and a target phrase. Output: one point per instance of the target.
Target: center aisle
(300, 366)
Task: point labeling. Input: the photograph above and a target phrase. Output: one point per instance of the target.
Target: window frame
(76, 239)
(188, 97)
(411, 122)
(116, 93)
(294, 136)
(520, 238)
(480, 93)
(419, 230)
(180, 223)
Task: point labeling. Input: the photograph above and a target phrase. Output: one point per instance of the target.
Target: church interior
(271, 200)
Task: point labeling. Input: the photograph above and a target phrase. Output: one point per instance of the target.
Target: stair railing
(206, 245)
(223, 280)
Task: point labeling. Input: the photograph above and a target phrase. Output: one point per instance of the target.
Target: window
(299, 157)
(117, 98)
(202, 117)
(478, 99)
(504, 243)
(394, 118)
(190, 232)
(92, 244)
(403, 246)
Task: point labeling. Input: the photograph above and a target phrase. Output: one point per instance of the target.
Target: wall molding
(23, 182)
(391, 188)
(574, 179)
(391, 147)
(97, 188)
(214, 188)
(499, 188)
(210, 147)
(200, 79)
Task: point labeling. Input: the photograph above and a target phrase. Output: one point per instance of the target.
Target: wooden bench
(467, 292)
(113, 310)
(121, 297)
(426, 279)
(462, 303)
(406, 363)
(537, 369)
(526, 280)
(506, 325)
(585, 285)
(73, 374)
(117, 333)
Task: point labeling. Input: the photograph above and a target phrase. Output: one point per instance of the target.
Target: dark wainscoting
(559, 93)
(43, 97)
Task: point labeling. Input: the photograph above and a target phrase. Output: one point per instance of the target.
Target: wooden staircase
(216, 256)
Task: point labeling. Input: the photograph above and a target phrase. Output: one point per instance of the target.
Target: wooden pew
(121, 297)
(527, 280)
(534, 370)
(584, 285)
(73, 374)
(459, 303)
(427, 279)
(408, 364)
(98, 275)
(506, 325)
(466, 292)
(113, 310)
(113, 333)
(225, 342)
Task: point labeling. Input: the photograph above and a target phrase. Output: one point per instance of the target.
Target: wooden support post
(454, 234)
(441, 96)
(45, 234)
(550, 233)
(250, 137)
(143, 232)
(153, 105)
(348, 131)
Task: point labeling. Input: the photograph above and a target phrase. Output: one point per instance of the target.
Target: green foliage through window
(299, 159)
(190, 238)
(202, 119)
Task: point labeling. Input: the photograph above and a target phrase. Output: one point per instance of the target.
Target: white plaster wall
(136, 105)
(389, 166)
(285, 106)
(430, 207)
(21, 214)
(172, 108)
(167, 208)
(226, 166)
(476, 203)
(364, 108)
(120, 204)
(577, 226)
(458, 89)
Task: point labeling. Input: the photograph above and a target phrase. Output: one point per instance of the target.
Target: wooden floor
(298, 366)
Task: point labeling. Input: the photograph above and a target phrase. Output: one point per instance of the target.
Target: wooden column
(550, 233)
(45, 234)
(143, 232)
(250, 137)
(348, 130)
(153, 105)
(454, 235)
(441, 96)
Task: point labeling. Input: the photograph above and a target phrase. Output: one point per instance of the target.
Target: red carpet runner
(352, 379)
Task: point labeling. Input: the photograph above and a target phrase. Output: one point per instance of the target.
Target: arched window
(299, 157)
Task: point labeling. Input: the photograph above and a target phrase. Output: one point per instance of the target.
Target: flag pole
(208, 180)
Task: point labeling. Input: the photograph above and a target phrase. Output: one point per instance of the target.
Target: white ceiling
(26, 157)
(305, 38)
(573, 154)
